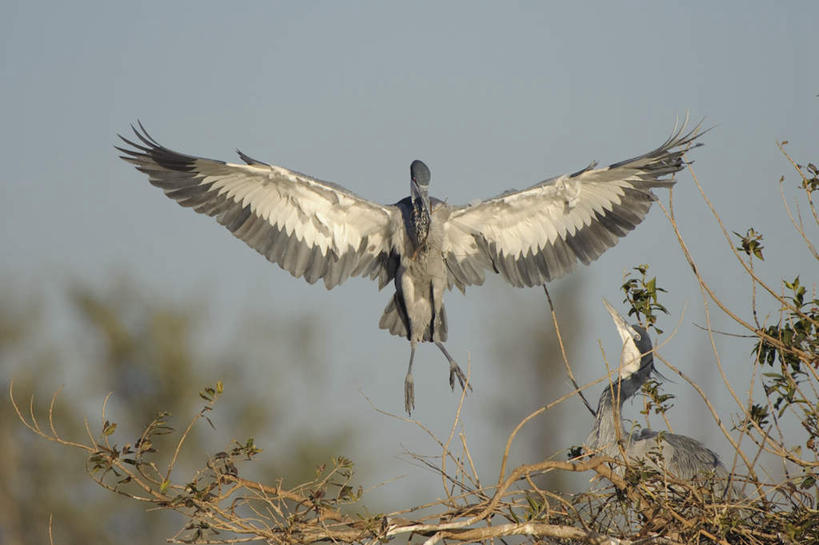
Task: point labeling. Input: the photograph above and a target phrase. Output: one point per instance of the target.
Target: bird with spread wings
(319, 230)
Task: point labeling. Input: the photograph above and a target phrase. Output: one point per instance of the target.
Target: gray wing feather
(538, 234)
(684, 458)
(312, 229)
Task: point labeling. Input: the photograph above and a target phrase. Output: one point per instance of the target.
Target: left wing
(312, 229)
(538, 234)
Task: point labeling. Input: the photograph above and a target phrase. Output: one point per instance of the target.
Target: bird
(319, 230)
(681, 456)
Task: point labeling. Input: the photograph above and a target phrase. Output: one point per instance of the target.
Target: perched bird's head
(636, 357)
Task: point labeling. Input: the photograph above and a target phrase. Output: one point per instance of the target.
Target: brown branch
(535, 529)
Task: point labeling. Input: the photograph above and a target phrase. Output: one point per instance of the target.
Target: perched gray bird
(319, 230)
(682, 456)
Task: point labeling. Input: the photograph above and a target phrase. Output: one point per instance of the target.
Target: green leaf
(109, 427)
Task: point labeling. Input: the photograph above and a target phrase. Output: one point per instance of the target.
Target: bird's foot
(409, 393)
(455, 371)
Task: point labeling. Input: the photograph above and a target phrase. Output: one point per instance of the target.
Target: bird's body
(682, 456)
(679, 455)
(319, 230)
(417, 309)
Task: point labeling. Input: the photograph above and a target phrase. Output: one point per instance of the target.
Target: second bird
(319, 230)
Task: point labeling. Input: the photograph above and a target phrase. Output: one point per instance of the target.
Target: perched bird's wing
(684, 457)
(312, 229)
(538, 234)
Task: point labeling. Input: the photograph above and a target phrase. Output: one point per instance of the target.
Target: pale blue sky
(490, 95)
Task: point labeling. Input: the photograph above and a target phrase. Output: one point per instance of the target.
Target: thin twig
(563, 353)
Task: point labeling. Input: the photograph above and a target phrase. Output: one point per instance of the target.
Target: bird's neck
(602, 439)
(608, 427)
(420, 223)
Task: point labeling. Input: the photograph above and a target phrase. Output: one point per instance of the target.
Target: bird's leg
(409, 383)
(454, 369)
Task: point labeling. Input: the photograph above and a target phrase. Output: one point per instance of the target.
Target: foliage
(642, 297)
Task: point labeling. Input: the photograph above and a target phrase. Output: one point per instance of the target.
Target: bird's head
(636, 357)
(419, 185)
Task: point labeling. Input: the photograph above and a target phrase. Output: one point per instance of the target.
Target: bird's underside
(318, 230)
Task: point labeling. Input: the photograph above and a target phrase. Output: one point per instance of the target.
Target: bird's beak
(626, 331)
(417, 195)
(630, 355)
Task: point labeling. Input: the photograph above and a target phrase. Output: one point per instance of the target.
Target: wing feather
(312, 229)
(538, 234)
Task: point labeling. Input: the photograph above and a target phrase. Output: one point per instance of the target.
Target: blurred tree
(147, 353)
(533, 364)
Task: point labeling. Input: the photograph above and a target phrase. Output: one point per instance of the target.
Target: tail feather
(438, 333)
(396, 321)
(395, 318)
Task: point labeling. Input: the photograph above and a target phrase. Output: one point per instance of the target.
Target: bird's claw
(455, 371)
(409, 394)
